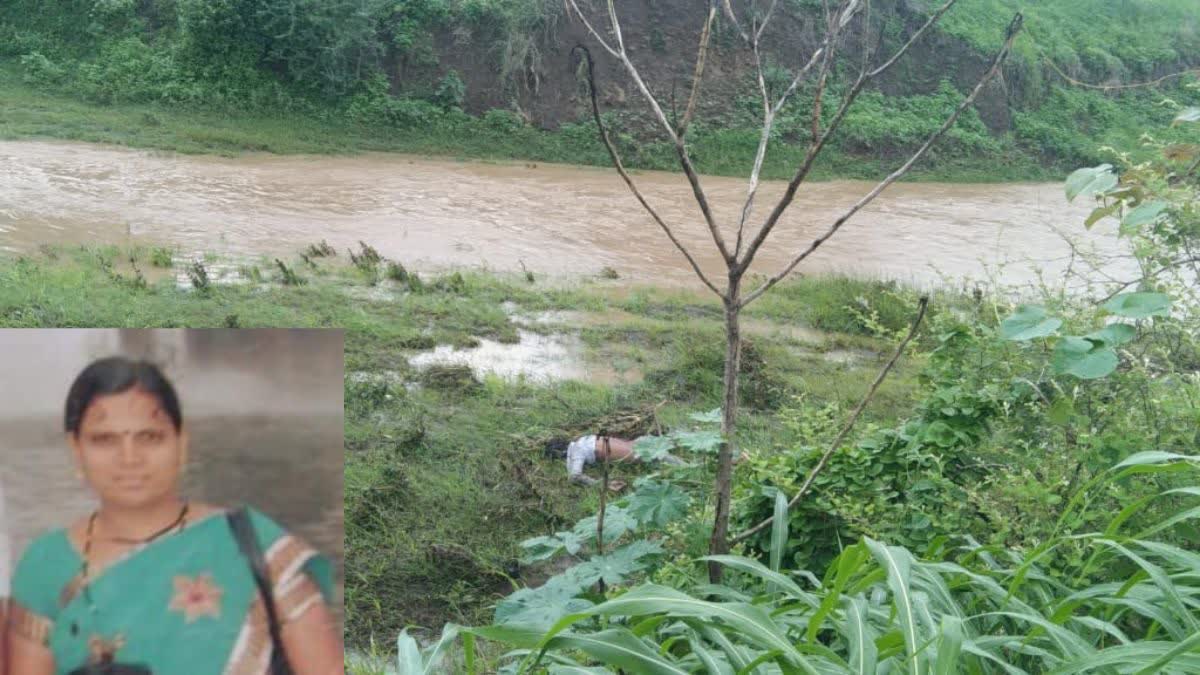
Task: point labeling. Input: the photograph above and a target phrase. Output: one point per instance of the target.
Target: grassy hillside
(378, 75)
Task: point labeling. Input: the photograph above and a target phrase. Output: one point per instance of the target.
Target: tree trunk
(719, 544)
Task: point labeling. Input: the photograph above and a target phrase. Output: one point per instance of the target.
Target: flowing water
(264, 408)
(561, 220)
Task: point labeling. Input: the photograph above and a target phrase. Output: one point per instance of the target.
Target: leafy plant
(1127, 605)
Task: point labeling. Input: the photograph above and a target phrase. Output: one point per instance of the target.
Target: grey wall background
(264, 407)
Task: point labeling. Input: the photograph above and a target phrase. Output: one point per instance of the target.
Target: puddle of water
(534, 357)
(375, 377)
(799, 333)
(849, 356)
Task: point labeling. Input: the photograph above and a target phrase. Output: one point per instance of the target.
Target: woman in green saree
(150, 579)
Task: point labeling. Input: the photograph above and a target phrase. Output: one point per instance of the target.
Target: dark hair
(115, 375)
(556, 448)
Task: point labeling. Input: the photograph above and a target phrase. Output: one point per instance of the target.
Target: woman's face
(128, 449)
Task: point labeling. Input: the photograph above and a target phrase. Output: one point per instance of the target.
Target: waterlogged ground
(444, 476)
(550, 347)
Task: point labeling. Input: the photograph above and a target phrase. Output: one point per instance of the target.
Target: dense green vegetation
(1020, 492)
(365, 75)
(1020, 496)
(1031, 508)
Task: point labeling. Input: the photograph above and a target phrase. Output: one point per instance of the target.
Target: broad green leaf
(860, 637)
(617, 522)
(410, 654)
(751, 566)
(1161, 579)
(546, 547)
(1147, 656)
(658, 503)
(1153, 457)
(752, 621)
(950, 640)
(1101, 212)
(1113, 334)
(1090, 181)
(541, 607)
(699, 441)
(1061, 411)
(614, 567)
(897, 562)
(1029, 322)
(563, 669)
(652, 448)
(618, 647)
(1083, 358)
(713, 664)
(710, 417)
(1143, 214)
(1139, 305)
(1188, 115)
(847, 565)
(779, 530)
(411, 661)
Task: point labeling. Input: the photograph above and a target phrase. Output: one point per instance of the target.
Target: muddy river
(561, 220)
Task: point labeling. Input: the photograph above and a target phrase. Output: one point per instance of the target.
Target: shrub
(41, 71)
(451, 92)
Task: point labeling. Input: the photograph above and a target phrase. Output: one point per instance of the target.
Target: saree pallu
(186, 603)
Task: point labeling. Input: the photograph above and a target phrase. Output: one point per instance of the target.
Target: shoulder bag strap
(243, 531)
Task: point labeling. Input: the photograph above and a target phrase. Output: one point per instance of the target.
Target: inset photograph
(172, 501)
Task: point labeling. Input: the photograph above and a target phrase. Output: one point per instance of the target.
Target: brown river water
(555, 219)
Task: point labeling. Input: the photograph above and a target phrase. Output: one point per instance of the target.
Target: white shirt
(581, 451)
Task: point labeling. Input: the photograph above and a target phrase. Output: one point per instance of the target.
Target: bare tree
(750, 27)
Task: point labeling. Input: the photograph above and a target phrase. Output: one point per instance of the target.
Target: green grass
(443, 483)
(27, 112)
(227, 105)
(1135, 37)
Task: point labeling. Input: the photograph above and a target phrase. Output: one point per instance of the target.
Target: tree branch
(801, 173)
(699, 72)
(761, 153)
(837, 441)
(819, 142)
(1001, 55)
(616, 159)
(766, 19)
(680, 149)
(933, 18)
(769, 114)
(1107, 87)
(593, 31)
(1168, 266)
(733, 19)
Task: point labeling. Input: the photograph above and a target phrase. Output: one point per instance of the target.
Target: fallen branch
(837, 441)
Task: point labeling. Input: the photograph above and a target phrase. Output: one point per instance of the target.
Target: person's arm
(4, 582)
(312, 643)
(308, 628)
(27, 657)
(29, 623)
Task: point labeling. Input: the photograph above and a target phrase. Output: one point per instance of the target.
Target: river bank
(29, 112)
